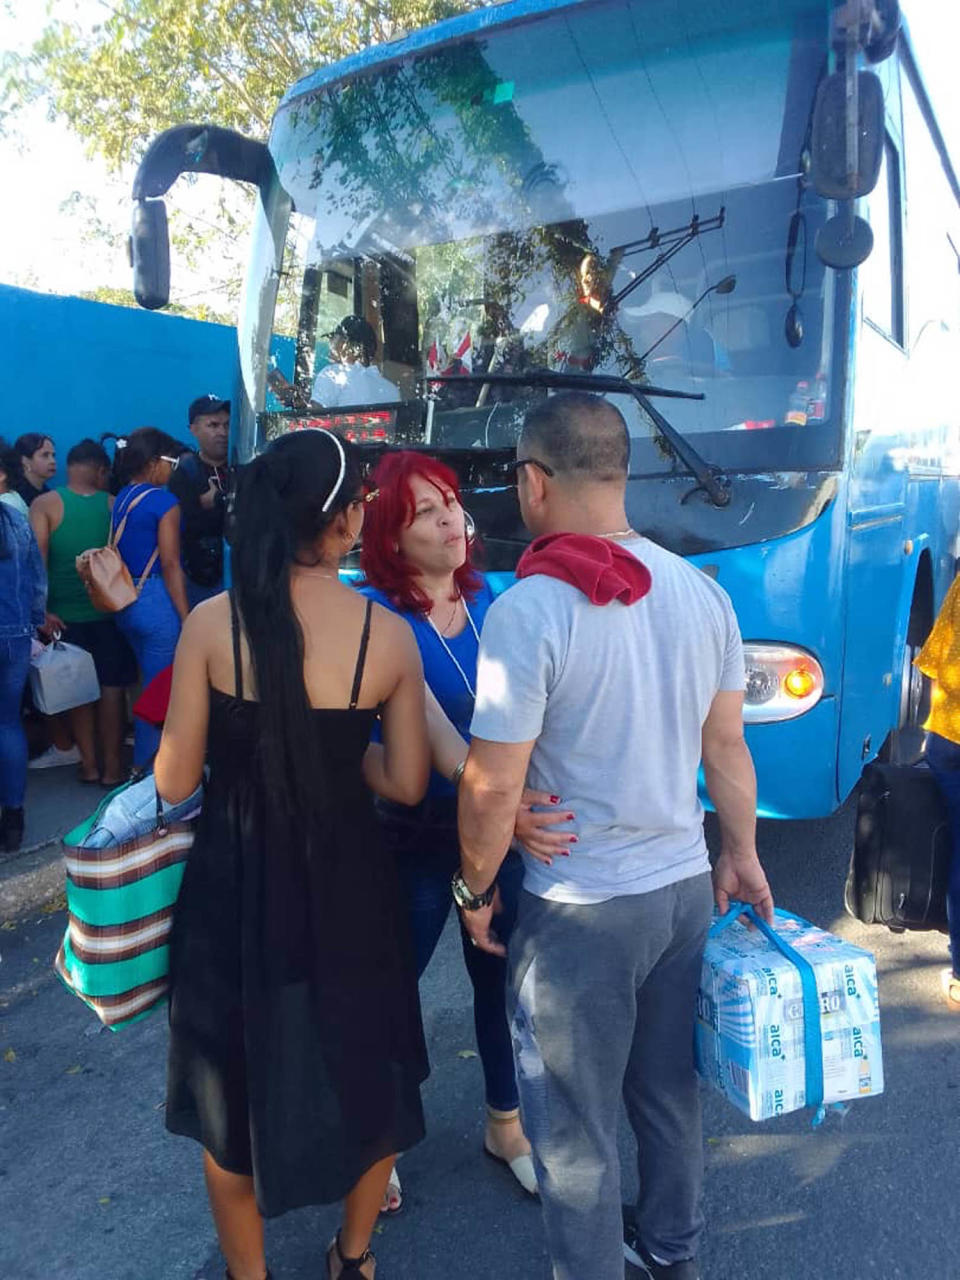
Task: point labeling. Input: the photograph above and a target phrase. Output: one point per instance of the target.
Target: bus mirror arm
(186, 148)
(200, 148)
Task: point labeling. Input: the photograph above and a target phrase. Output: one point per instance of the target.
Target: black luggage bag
(901, 852)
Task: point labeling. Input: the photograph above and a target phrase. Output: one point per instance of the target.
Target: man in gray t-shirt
(605, 676)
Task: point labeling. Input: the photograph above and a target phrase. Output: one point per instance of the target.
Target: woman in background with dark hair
(296, 1050)
(150, 548)
(37, 459)
(416, 558)
(9, 474)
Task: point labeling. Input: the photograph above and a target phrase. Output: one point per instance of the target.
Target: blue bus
(739, 221)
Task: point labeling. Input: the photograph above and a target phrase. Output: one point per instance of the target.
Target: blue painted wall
(73, 368)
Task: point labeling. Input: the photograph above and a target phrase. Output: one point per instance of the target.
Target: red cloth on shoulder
(599, 567)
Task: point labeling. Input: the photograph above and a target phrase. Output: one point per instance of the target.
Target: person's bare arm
(179, 763)
(46, 514)
(447, 748)
(490, 792)
(168, 540)
(398, 768)
(732, 786)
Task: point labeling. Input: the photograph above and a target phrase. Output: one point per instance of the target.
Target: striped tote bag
(124, 866)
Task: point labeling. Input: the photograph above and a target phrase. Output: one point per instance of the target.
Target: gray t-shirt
(615, 696)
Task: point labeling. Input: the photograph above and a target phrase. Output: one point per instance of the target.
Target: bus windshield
(617, 188)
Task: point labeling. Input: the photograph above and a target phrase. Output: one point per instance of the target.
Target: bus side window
(881, 276)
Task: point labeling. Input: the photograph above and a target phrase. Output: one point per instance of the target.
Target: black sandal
(350, 1267)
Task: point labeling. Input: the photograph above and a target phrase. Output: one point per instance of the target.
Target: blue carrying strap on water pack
(812, 1041)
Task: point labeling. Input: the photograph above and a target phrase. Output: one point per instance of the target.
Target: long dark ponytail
(285, 498)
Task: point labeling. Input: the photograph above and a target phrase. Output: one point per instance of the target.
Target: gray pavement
(56, 801)
(92, 1188)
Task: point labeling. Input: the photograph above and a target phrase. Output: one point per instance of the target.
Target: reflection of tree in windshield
(380, 148)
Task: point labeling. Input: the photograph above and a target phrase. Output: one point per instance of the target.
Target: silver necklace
(449, 652)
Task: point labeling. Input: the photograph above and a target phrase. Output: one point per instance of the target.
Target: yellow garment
(940, 660)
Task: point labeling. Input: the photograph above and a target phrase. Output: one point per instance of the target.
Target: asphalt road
(92, 1188)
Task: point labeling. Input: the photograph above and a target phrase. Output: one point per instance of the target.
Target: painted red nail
(565, 853)
(569, 817)
(554, 799)
(573, 840)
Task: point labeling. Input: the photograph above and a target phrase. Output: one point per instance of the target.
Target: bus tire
(904, 743)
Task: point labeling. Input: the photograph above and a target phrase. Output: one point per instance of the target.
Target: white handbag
(63, 676)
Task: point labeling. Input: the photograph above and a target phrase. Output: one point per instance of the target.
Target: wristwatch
(465, 899)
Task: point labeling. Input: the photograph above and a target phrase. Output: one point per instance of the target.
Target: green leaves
(151, 64)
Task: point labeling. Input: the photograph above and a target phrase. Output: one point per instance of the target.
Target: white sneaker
(53, 758)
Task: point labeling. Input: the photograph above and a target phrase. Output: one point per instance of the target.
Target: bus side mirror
(150, 254)
(835, 175)
(846, 151)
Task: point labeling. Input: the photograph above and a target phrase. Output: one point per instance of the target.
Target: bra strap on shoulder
(235, 635)
(361, 657)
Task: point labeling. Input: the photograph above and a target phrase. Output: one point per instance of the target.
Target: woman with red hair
(416, 558)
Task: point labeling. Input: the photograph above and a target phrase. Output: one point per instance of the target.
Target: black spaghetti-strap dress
(296, 1046)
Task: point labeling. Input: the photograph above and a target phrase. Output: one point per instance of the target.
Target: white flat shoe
(521, 1167)
(393, 1195)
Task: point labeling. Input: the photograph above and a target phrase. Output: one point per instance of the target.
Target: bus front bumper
(796, 764)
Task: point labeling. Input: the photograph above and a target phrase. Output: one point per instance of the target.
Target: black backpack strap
(361, 657)
(235, 636)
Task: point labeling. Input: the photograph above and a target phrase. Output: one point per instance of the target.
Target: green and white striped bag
(120, 900)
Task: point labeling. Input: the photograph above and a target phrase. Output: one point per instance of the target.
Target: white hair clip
(121, 442)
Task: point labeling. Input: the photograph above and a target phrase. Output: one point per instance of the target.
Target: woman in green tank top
(67, 522)
(85, 523)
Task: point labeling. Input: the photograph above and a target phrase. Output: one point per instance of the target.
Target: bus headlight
(782, 682)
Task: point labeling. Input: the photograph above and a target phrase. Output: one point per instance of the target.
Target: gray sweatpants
(602, 1000)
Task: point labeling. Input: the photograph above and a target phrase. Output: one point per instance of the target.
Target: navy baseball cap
(206, 404)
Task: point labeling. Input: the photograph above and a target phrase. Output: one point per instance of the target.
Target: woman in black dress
(296, 1051)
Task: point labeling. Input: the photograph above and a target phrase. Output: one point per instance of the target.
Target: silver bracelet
(458, 772)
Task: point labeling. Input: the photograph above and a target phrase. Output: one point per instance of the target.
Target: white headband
(343, 467)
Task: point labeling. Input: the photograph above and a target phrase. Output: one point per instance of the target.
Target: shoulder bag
(102, 571)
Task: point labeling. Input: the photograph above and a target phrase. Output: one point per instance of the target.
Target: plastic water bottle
(797, 409)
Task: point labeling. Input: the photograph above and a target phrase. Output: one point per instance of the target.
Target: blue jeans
(152, 626)
(943, 757)
(14, 669)
(424, 840)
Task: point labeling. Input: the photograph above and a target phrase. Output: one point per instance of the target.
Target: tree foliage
(150, 64)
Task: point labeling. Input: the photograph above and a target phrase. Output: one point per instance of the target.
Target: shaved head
(583, 437)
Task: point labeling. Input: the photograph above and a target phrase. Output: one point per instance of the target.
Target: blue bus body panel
(459, 28)
(790, 590)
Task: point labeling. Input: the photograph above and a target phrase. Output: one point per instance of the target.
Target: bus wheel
(904, 744)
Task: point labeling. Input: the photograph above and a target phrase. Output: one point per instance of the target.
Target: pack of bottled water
(763, 1040)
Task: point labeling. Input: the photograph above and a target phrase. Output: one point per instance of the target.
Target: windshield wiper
(709, 478)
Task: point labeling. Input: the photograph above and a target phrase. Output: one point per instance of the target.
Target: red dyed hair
(392, 510)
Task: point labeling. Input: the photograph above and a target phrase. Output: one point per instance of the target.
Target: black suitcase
(901, 851)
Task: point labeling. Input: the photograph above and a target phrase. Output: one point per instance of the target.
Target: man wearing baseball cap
(200, 482)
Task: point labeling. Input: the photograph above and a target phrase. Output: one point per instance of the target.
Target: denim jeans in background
(424, 840)
(152, 626)
(943, 757)
(14, 669)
